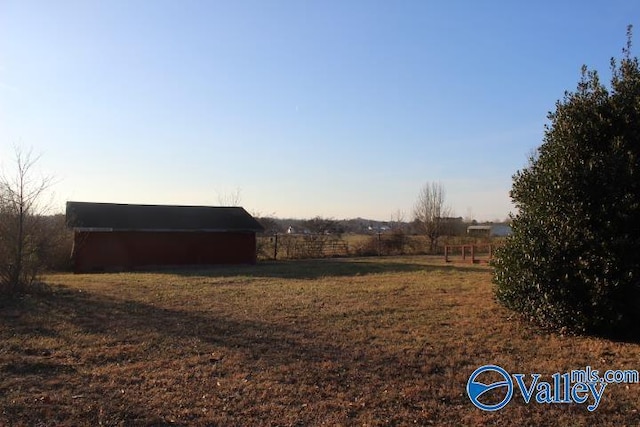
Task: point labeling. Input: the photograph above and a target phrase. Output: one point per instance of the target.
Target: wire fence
(302, 246)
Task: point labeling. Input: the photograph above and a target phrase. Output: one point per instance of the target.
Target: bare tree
(397, 220)
(431, 213)
(230, 199)
(23, 233)
(397, 240)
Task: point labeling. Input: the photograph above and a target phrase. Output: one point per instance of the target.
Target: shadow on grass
(36, 368)
(296, 356)
(99, 314)
(151, 333)
(318, 268)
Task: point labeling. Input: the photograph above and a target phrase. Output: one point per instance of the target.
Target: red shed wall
(125, 250)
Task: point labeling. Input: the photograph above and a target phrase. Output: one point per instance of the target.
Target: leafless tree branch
(22, 233)
(431, 212)
(230, 199)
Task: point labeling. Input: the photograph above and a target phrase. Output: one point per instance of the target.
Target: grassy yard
(380, 341)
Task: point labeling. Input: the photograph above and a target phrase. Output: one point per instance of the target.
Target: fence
(473, 254)
(286, 246)
(300, 246)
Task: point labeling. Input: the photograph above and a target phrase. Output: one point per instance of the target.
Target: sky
(333, 108)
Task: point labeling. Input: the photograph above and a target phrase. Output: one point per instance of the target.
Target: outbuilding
(115, 237)
(489, 230)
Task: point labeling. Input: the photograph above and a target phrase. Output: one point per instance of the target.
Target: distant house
(112, 237)
(489, 230)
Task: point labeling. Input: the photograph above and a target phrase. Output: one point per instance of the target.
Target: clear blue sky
(333, 108)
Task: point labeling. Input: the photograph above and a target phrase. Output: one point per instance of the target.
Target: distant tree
(320, 225)
(469, 217)
(573, 258)
(430, 212)
(24, 236)
(395, 243)
(230, 199)
(269, 223)
(397, 220)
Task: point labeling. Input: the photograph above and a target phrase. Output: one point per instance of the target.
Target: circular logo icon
(475, 389)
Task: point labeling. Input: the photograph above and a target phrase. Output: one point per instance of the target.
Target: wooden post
(472, 254)
(275, 247)
(446, 253)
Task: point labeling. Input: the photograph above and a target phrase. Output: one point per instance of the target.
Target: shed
(490, 230)
(114, 237)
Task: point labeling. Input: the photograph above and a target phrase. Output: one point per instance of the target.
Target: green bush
(573, 260)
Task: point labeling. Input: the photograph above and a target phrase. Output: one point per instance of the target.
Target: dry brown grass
(388, 341)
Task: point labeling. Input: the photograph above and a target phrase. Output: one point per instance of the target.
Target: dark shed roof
(114, 216)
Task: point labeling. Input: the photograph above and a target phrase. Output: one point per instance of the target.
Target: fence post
(472, 254)
(446, 253)
(275, 247)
